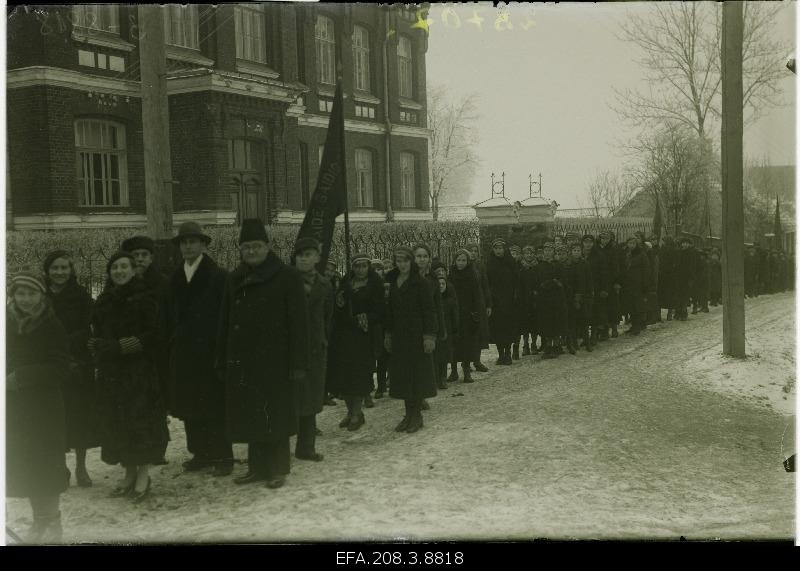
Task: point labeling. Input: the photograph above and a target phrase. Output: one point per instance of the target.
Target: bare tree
(453, 137)
(675, 167)
(762, 186)
(609, 192)
(681, 46)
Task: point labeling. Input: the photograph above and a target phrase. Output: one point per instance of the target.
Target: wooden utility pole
(733, 318)
(155, 122)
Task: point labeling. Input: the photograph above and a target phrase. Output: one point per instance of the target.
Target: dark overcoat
(263, 338)
(551, 302)
(353, 352)
(486, 295)
(600, 269)
(715, 278)
(37, 364)
(410, 317)
(133, 415)
(636, 281)
(73, 307)
(471, 310)
(685, 265)
(503, 277)
(159, 286)
(579, 292)
(192, 314)
(654, 259)
(451, 323)
(666, 276)
(319, 304)
(527, 290)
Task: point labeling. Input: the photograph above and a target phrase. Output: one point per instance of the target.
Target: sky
(544, 93)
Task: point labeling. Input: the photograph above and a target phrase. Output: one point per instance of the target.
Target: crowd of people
(253, 355)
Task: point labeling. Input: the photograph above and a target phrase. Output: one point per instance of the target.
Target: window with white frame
(361, 58)
(97, 17)
(181, 25)
(101, 158)
(408, 190)
(364, 178)
(250, 30)
(405, 67)
(326, 50)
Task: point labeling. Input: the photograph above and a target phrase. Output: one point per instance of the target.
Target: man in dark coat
(578, 284)
(191, 315)
(666, 277)
(486, 294)
(608, 246)
(319, 302)
(600, 270)
(685, 265)
(262, 355)
(502, 272)
(551, 307)
(636, 284)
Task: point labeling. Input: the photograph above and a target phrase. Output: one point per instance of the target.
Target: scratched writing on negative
(54, 21)
(472, 18)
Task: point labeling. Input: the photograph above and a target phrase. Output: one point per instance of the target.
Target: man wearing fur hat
(262, 354)
(192, 316)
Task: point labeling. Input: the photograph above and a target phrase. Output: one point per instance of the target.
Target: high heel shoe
(139, 497)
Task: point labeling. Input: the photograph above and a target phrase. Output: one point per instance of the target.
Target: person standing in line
(501, 270)
(37, 366)
(480, 272)
(516, 255)
(578, 280)
(528, 284)
(422, 255)
(410, 337)
(666, 277)
(319, 298)
(470, 309)
(124, 346)
(262, 355)
(684, 272)
(551, 304)
(353, 351)
(191, 316)
(608, 245)
(444, 353)
(653, 306)
(383, 360)
(601, 284)
(73, 307)
(636, 284)
(715, 278)
(700, 281)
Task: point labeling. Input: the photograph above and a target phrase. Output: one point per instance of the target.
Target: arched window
(101, 163)
(364, 178)
(408, 186)
(405, 66)
(326, 49)
(361, 58)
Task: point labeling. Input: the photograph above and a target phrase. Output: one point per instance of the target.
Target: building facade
(250, 90)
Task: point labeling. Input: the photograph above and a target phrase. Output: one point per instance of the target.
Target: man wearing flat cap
(262, 355)
(192, 310)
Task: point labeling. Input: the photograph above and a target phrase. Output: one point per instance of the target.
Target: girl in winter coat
(501, 271)
(480, 272)
(355, 338)
(132, 407)
(636, 284)
(528, 284)
(422, 256)
(551, 304)
(37, 366)
(444, 353)
(411, 329)
(471, 309)
(73, 307)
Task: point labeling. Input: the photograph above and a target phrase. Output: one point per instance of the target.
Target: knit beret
(116, 256)
(27, 279)
(405, 251)
(498, 241)
(360, 257)
(307, 243)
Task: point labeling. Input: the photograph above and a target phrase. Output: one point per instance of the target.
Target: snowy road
(649, 437)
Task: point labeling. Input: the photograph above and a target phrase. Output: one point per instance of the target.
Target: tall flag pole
(330, 195)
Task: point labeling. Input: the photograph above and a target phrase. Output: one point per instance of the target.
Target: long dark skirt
(81, 407)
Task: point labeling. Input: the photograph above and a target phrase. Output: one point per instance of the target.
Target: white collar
(190, 269)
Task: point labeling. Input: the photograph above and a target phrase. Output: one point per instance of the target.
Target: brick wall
(419, 148)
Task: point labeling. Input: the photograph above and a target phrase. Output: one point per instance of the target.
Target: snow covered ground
(656, 436)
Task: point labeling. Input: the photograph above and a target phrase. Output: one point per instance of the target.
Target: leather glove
(428, 345)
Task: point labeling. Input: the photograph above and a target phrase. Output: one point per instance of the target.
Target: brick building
(250, 90)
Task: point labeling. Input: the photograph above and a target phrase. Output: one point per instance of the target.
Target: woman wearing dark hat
(132, 407)
(355, 338)
(262, 355)
(73, 307)
(319, 298)
(501, 271)
(410, 337)
(466, 347)
(191, 318)
(422, 256)
(37, 366)
(480, 272)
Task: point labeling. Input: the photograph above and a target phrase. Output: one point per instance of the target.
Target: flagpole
(344, 173)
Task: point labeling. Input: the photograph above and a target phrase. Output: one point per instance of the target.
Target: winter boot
(453, 378)
(368, 402)
(467, 375)
(571, 343)
(406, 419)
(515, 354)
(45, 530)
(416, 423)
(480, 367)
(614, 332)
